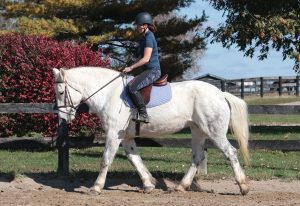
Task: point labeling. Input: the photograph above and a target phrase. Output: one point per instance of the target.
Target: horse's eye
(61, 93)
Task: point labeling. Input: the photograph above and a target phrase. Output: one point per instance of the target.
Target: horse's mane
(88, 69)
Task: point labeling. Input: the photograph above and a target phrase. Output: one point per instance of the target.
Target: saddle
(146, 91)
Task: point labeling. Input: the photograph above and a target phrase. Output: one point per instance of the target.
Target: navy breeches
(144, 79)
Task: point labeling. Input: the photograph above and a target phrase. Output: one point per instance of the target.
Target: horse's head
(68, 97)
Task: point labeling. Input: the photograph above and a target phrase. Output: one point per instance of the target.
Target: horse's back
(200, 91)
(204, 100)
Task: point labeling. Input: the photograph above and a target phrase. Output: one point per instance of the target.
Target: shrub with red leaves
(26, 64)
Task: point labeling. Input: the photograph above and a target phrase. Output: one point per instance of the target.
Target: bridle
(68, 97)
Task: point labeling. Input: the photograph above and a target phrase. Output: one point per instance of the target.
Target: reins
(67, 95)
(120, 75)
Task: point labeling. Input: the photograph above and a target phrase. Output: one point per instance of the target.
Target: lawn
(271, 100)
(162, 162)
(278, 119)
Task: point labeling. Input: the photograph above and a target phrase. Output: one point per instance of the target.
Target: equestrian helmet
(143, 18)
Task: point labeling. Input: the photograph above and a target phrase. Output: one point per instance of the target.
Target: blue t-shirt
(149, 41)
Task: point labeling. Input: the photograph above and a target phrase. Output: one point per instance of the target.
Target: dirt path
(42, 191)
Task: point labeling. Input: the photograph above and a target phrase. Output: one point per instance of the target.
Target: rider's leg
(142, 80)
(141, 107)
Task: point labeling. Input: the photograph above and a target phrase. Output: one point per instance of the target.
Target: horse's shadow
(124, 157)
(78, 181)
(82, 181)
(6, 177)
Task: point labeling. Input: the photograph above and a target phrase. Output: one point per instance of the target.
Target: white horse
(195, 104)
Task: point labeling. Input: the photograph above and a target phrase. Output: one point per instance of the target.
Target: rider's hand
(127, 70)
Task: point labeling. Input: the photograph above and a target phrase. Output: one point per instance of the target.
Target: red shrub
(26, 64)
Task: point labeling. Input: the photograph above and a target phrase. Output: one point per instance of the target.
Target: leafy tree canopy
(260, 25)
(108, 23)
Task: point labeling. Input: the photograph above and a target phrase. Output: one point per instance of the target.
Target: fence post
(297, 86)
(280, 86)
(242, 89)
(203, 166)
(202, 169)
(261, 87)
(223, 86)
(62, 144)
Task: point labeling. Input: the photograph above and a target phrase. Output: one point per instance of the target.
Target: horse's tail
(239, 123)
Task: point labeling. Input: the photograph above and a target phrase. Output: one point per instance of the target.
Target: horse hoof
(148, 189)
(179, 188)
(244, 188)
(95, 191)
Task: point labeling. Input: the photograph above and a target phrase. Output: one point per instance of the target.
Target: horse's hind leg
(198, 155)
(135, 159)
(231, 154)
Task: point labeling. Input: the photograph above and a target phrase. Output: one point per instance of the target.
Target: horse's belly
(164, 125)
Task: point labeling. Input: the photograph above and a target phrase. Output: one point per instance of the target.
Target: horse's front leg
(111, 147)
(135, 159)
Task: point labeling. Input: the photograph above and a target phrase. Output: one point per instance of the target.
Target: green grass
(26, 162)
(274, 119)
(162, 162)
(274, 164)
(271, 100)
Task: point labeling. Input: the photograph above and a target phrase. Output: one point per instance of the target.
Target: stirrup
(141, 118)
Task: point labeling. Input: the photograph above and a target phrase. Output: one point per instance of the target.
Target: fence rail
(256, 86)
(63, 143)
(274, 109)
(41, 144)
(9, 108)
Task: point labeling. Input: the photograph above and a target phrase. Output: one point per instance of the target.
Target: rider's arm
(145, 59)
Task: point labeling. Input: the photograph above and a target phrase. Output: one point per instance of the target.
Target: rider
(149, 59)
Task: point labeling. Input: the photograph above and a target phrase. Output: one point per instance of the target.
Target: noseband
(67, 99)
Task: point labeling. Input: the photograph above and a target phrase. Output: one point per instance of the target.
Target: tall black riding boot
(141, 107)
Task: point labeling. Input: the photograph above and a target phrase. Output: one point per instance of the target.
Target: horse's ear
(58, 75)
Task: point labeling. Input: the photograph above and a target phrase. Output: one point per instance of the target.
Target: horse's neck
(91, 80)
